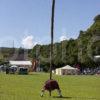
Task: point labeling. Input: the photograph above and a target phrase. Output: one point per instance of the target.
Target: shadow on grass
(28, 74)
(78, 98)
(63, 97)
(1, 92)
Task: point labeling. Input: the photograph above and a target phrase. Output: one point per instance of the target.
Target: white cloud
(27, 42)
(62, 38)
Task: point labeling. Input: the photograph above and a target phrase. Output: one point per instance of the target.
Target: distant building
(27, 64)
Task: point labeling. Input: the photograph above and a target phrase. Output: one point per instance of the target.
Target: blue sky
(29, 20)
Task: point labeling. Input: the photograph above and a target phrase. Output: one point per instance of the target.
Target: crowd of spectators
(91, 71)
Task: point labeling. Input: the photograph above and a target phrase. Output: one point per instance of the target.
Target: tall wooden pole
(52, 36)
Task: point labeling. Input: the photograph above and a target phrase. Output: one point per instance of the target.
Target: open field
(28, 87)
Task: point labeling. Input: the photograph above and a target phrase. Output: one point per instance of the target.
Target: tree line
(73, 51)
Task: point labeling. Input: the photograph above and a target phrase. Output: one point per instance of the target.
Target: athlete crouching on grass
(51, 85)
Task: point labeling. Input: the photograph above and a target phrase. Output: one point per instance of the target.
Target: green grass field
(28, 87)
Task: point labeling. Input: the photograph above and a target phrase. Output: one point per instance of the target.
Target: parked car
(23, 70)
(3, 68)
(13, 69)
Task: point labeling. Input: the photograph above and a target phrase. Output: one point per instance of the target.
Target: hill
(7, 54)
(74, 51)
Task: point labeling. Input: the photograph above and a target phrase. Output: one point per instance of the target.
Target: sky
(24, 23)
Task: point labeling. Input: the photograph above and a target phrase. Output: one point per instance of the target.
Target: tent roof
(97, 56)
(13, 66)
(67, 67)
(20, 62)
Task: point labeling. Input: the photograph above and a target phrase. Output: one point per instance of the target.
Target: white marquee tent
(66, 70)
(21, 63)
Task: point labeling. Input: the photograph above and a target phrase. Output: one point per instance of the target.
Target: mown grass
(28, 87)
